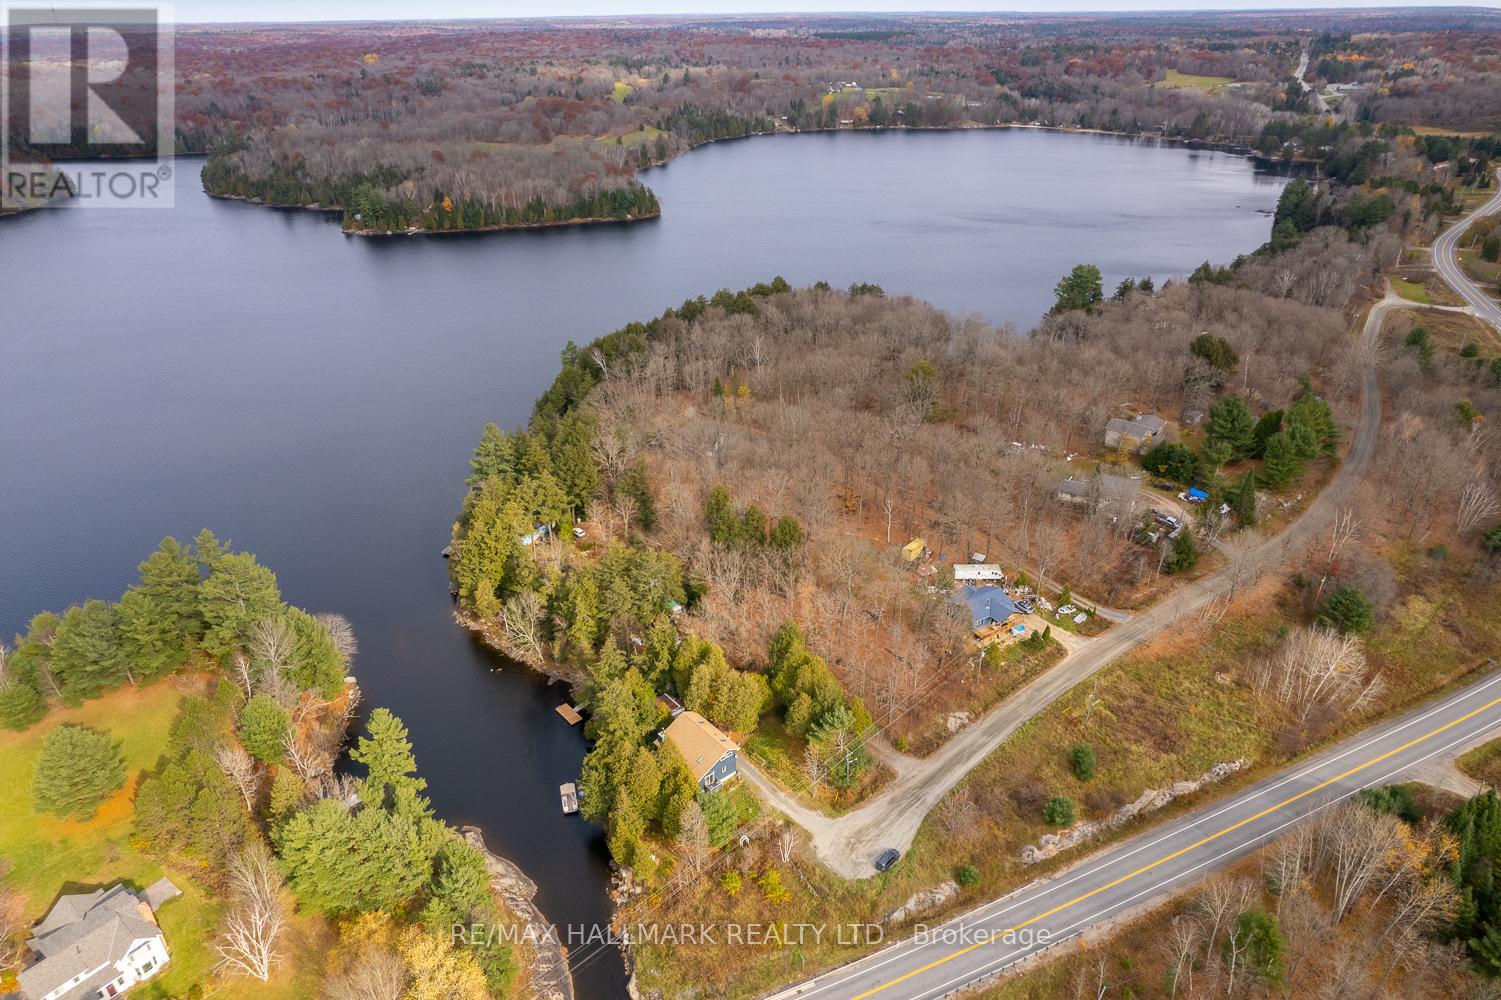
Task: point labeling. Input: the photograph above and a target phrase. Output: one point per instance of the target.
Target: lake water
(314, 398)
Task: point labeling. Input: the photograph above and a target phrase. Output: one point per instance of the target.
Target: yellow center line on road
(1180, 852)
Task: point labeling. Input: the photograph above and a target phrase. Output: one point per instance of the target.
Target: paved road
(850, 843)
(1447, 265)
(995, 936)
(1320, 105)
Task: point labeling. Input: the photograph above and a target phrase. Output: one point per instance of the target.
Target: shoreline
(1214, 145)
(551, 976)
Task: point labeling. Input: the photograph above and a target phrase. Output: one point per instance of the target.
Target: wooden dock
(570, 714)
(570, 796)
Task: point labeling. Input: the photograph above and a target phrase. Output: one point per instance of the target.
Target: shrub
(78, 769)
(1493, 539)
(1490, 250)
(1347, 611)
(967, 875)
(1082, 758)
(1393, 799)
(731, 882)
(1058, 811)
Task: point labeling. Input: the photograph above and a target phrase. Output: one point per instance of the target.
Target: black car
(887, 859)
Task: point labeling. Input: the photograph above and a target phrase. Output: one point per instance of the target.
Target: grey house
(97, 944)
(711, 755)
(1135, 434)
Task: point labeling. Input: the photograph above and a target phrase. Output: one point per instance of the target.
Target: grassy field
(1412, 291)
(622, 91)
(1484, 763)
(52, 856)
(1188, 81)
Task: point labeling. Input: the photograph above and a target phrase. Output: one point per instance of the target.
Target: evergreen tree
(149, 640)
(573, 459)
(86, 652)
(1231, 422)
(635, 485)
(169, 580)
(493, 458)
(1269, 424)
(1347, 611)
(626, 829)
(77, 769)
(1184, 555)
(263, 728)
(1242, 499)
(1283, 464)
(1081, 288)
(340, 862)
(391, 779)
(237, 593)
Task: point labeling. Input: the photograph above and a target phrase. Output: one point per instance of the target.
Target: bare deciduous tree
(247, 943)
(1317, 668)
(242, 769)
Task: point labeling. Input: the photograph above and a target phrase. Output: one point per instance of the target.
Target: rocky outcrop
(922, 901)
(550, 978)
(1149, 801)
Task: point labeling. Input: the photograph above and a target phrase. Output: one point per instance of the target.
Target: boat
(568, 792)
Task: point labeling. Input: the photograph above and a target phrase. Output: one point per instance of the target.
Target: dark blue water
(315, 397)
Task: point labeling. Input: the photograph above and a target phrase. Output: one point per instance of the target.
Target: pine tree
(493, 458)
(169, 583)
(263, 729)
(573, 459)
(86, 651)
(391, 770)
(1283, 463)
(1231, 422)
(78, 769)
(626, 829)
(237, 593)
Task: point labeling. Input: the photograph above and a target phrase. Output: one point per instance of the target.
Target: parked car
(887, 859)
(1163, 484)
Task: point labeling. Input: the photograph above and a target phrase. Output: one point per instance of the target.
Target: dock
(570, 714)
(570, 796)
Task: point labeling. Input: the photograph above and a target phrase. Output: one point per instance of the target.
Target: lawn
(51, 856)
(1188, 81)
(622, 91)
(1412, 291)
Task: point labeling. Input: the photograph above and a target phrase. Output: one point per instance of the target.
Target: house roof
(987, 604)
(82, 932)
(978, 571)
(699, 741)
(1146, 423)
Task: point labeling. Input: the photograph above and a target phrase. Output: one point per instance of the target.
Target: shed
(914, 549)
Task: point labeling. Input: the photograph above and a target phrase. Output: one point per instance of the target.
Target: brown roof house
(711, 755)
(97, 944)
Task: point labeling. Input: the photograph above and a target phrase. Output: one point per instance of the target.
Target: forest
(471, 125)
(247, 803)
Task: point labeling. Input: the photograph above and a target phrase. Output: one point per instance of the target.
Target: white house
(97, 944)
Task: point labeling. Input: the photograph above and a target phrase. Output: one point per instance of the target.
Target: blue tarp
(987, 605)
(1194, 493)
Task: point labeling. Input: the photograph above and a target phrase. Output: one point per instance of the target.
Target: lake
(315, 397)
